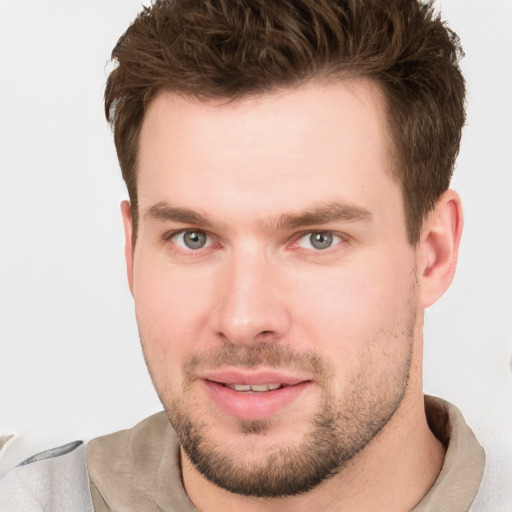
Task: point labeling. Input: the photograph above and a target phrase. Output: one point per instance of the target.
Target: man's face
(275, 289)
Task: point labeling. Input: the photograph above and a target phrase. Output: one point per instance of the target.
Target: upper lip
(252, 377)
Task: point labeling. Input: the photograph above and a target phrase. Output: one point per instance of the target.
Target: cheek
(171, 309)
(349, 309)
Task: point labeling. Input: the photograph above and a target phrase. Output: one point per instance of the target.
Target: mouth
(256, 388)
(253, 395)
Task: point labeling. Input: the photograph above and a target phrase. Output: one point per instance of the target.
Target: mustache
(261, 354)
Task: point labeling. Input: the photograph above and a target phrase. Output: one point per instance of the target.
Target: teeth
(258, 388)
(242, 387)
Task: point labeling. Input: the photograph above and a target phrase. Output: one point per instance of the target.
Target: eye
(191, 240)
(319, 240)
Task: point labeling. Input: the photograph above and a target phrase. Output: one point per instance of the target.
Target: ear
(128, 241)
(439, 248)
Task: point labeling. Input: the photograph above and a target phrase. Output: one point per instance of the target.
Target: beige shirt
(139, 469)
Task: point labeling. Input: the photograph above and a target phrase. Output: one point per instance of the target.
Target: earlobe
(128, 241)
(439, 248)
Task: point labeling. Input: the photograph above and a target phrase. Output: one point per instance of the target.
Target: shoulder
(136, 469)
(55, 479)
(459, 484)
(139, 438)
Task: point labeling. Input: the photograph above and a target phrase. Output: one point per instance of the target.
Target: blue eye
(192, 240)
(318, 240)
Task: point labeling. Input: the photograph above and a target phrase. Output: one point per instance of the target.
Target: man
(288, 166)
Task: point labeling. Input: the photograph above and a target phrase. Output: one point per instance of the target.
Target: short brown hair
(231, 48)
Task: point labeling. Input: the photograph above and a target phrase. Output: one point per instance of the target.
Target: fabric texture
(458, 482)
(139, 469)
(51, 481)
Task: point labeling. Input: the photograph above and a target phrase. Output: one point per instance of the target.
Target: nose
(251, 304)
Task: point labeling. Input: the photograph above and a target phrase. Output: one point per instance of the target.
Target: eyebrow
(322, 214)
(165, 212)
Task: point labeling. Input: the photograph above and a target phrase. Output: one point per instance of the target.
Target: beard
(338, 430)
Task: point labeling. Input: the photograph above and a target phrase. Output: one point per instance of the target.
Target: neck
(392, 473)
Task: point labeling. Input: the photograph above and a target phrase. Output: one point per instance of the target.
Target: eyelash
(170, 235)
(342, 239)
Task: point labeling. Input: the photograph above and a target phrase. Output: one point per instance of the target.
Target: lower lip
(253, 406)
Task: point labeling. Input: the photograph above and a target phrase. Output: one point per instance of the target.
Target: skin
(249, 174)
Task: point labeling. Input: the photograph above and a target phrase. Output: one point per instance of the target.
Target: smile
(255, 401)
(256, 388)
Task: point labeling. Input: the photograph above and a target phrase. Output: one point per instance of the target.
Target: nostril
(266, 335)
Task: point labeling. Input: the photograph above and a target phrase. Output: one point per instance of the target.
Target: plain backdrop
(70, 362)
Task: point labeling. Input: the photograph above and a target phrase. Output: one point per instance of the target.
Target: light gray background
(70, 363)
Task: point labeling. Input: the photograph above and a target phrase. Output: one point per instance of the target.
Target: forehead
(272, 150)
